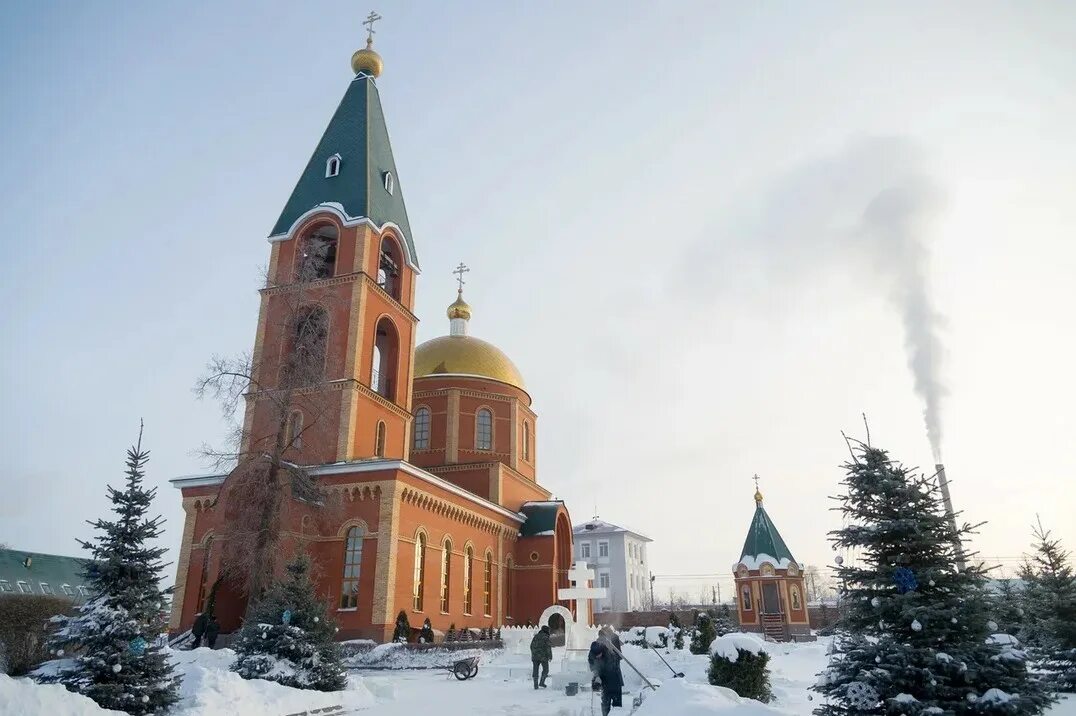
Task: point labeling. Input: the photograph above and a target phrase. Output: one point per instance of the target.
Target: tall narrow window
(420, 572)
(305, 364)
(487, 585)
(509, 580)
(203, 582)
(603, 549)
(747, 598)
(483, 437)
(468, 564)
(526, 440)
(332, 166)
(388, 267)
(379, 440)
(584, 550)
(385, 359)
(422, 428)
(317, 254)
(446, 576)
(349, 591)
(295, 430)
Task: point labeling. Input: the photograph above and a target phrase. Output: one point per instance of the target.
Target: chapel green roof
(763, 537)
(541, 518)
(41, 574)
(359, 134)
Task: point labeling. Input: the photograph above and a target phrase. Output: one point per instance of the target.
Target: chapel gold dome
(465, 355)
(368, 61)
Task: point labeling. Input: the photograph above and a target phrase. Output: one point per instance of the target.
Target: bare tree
(281, 388)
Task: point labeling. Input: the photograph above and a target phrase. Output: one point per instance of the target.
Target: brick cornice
(336, 281)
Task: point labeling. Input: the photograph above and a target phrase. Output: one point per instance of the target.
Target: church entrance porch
(771, 600)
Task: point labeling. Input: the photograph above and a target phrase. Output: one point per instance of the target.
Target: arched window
(468, 564)
(487, 585)
(508, 582)
(483, 436)
(349, 591)
(317, 254)
(746, 598)
(420, 572)
(385, 359)
(379, 439)
(294, 434)
(422, 428)
(203, 584)
(388, 267)
(332, 166)
(446, 575)
(390, 182)
(795, 597)
(526, 440)
(305, 364)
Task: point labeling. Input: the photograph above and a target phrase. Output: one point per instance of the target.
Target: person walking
(604, 660)
(541, 655)
(212, 630)
(198, 628)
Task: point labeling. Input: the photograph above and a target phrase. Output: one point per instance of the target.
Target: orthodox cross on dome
(460, 270)
(369, 22)
(758, 493)
(580, 575)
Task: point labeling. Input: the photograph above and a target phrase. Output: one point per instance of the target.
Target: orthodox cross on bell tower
(460, 270)
(758, 493)
(369, 23)
(756, 479)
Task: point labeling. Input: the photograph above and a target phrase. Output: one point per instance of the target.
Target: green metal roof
(359, 134)
(764, 539)
(26, 572)
(541, 518)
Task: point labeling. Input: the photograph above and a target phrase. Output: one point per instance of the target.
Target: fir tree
(402, 632)
(289, 638)
(677, 631)
(1049, 599)
(113, 637)
(703, 635)
(915, 636)
(723, 622)
(1008, 607)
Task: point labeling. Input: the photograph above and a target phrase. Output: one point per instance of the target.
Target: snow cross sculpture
(580, 575)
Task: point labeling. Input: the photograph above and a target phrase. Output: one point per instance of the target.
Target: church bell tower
(334, 349)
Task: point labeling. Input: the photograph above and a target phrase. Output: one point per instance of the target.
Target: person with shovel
(604, 660)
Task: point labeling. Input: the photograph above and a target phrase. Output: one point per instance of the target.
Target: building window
(508, 581)
(526, 440)
(603, 580)
(483, 437)
(385, 359)
(349, 590)
(66, 589)
(446, 576)
(487, 585)
(317, 254)
(468, 565)
(420, 572)
(82, 591)
(795, 597)
(388, 267)
(603, 549)
(332, 166)
(379, 439)
(25, 587)
(584, 550)
(305, 364)
(5, 586)
(203, 582)
(747, 599)
(390, 183)
(294, 435)
(422, 428)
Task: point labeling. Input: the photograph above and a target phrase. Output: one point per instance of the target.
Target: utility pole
(718, 594)
(713, 595)
(651, 591)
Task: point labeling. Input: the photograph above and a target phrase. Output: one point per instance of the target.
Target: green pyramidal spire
(365, 184)
(763, 537)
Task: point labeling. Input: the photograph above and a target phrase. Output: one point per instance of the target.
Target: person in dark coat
(198, 629)
(604, 660)
(212, 629)
(541, 655)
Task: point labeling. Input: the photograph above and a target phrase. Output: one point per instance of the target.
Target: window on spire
(388, 267)
(422, 428)
(483, 439)
(390, 183)
(332, 166)
(317, 254)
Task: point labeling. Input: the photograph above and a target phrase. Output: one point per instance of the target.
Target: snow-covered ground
(502, 688)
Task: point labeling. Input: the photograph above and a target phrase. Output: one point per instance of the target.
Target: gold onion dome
(459, 308)
(758, 496)
(368, 61)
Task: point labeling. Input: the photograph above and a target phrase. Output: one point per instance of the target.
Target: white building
(618, 556)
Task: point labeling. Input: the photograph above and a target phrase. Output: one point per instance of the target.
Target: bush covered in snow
(703, 634)
(740, 662)
(23, 637)
(289, 639)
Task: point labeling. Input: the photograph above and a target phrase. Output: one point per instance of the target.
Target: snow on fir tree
(703, 634)
(914, 635)
(288, 637)
(1048, 599)
(111, 642)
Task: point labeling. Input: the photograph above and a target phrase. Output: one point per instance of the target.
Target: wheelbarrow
(465, 668)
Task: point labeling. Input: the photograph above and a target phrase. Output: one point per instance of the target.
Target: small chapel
(770, 591)
(429, 453)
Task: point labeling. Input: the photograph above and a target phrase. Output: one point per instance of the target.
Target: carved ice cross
(580, 576)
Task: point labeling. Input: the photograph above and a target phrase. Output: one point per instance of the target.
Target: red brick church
(430, 450)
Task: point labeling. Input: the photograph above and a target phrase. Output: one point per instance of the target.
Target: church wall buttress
(452, 441)
(183, 564)
(387, 552)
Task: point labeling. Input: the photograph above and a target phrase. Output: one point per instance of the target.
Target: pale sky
(653, 201)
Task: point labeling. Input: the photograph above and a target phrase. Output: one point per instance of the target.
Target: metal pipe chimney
(943, 483)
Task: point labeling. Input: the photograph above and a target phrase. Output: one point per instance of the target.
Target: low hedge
(24, 630)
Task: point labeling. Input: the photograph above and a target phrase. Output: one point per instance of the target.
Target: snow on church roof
(764, 542)
(597, 526)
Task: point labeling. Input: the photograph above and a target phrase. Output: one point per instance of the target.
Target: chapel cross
(755, 478)
(460, 270)
(369, 22)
